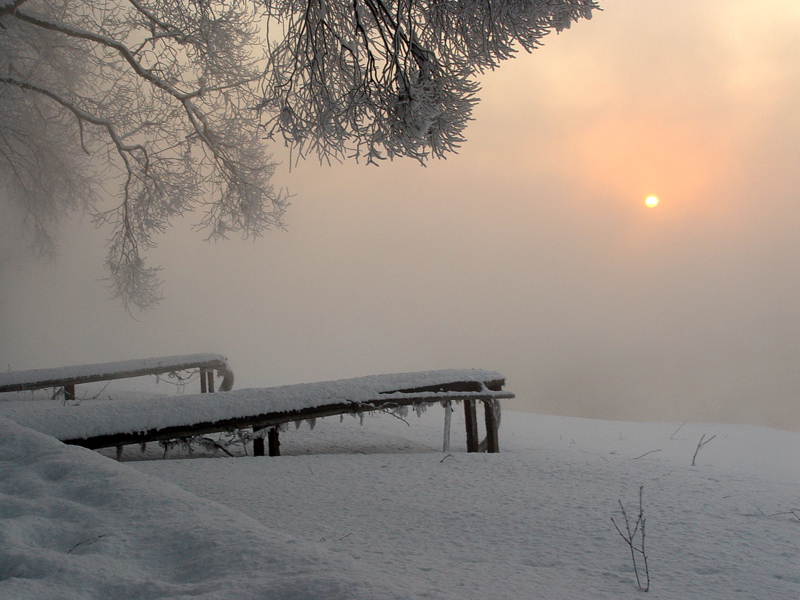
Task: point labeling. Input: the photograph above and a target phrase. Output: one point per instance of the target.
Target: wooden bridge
(115, 423)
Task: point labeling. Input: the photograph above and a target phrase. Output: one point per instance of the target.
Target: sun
(651, 202)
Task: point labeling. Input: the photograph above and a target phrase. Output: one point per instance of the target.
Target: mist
(530, 252)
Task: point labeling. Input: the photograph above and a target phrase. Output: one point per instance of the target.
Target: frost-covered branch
(162, 95)
(140, 111)
(385, 78)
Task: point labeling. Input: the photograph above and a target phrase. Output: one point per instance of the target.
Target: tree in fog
(138, 111)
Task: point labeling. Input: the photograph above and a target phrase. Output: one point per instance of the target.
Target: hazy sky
(530, 252)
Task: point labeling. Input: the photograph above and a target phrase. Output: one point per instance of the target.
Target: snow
(76, 525)
(108, 417)
(378, 511)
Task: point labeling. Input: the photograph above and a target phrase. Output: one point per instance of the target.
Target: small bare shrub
(630, 536)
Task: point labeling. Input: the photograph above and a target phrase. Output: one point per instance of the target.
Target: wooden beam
(490, 409)
(471, 421)
(203, 386)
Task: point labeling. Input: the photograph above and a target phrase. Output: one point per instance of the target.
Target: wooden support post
(210, 377)
(274, 442)
(69, 392)
(491, 408)
(448, 412)
(471, 421)
(203, 388)
(258, 443)
(119, 452)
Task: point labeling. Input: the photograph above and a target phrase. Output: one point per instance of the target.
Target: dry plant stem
(700, 444)
(629, 536)
(677, 430)
(646, 453)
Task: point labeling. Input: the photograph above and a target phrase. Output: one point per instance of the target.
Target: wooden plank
(455, 386)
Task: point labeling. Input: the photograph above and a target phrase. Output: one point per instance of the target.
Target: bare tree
(139, 111)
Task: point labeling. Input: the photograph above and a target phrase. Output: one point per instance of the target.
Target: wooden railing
(68, 377)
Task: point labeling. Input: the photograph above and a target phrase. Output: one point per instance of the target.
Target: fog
(531, 252)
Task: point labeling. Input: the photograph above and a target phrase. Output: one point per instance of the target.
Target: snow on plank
(99, 424)
(18, 381)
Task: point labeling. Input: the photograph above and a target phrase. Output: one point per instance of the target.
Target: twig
(795, 512)
(646, 453)
(86, 541)
(638, 527)
(700, 444)
(677, 430)
(216, 444)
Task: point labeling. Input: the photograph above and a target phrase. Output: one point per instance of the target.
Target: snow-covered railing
(113, 423)
(68, 377)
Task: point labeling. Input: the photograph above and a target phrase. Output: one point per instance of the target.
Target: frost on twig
(630, 534)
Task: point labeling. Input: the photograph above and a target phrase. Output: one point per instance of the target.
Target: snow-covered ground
(378, 511)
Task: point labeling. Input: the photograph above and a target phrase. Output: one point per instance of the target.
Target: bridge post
(210, 378)
(69, 392)
(491, 409)
(274, 441)
(258, 443)
(471, 421)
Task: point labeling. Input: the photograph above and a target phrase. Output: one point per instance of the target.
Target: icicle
(297, 424)
(361, 417)
(312, 423)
